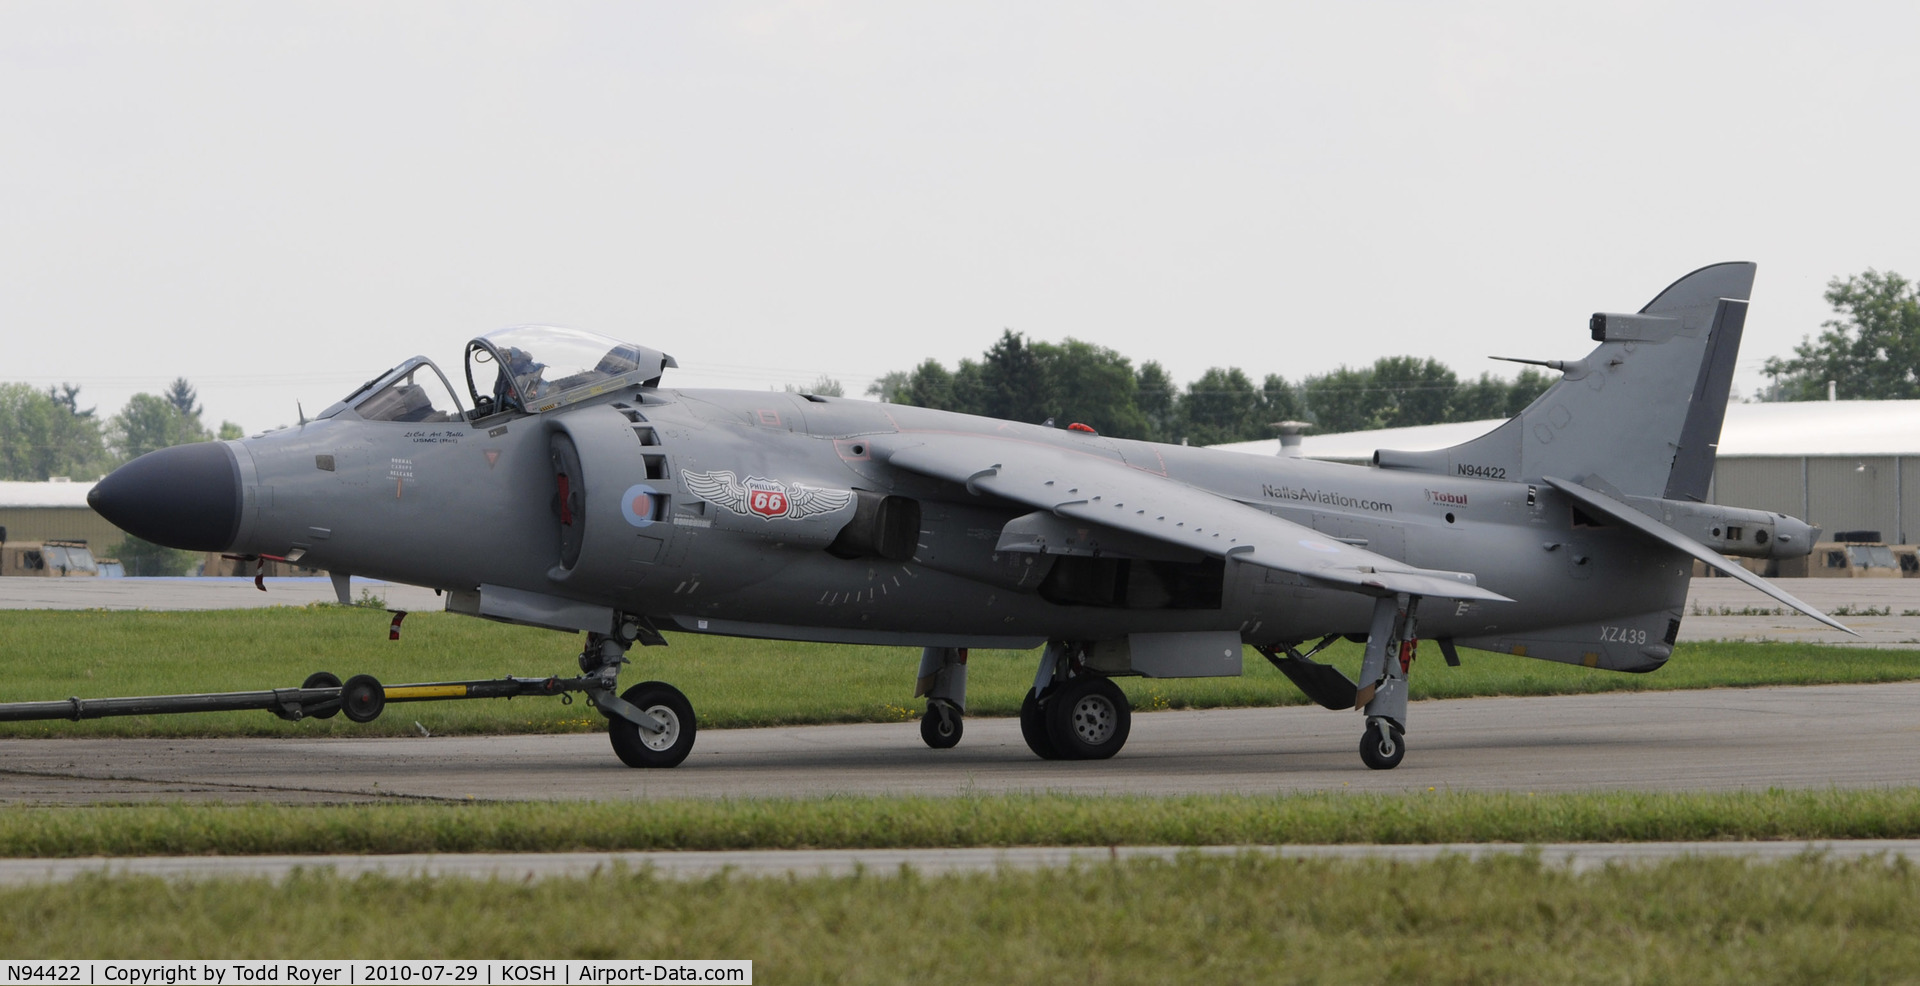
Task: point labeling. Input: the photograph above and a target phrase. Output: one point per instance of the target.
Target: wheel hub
(1093, 719)
(666, 736)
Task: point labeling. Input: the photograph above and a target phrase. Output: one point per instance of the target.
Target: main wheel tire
(362, 698)
(1033, 728)
(941, 731)
(1089, 718)
(664, 749)
(322, 679)
(1382, 752)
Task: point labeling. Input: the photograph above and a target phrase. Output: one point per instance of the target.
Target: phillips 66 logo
(768, 499)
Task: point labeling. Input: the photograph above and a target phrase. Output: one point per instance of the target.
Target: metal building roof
(25, 495)
(1795, 428)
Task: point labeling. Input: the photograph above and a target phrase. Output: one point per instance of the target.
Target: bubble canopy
(537, 368)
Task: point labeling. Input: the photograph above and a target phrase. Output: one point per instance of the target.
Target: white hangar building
(1839, 465)
(43, 511)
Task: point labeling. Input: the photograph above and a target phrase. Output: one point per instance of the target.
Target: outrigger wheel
(1382, 745)
(941, 726)
(638, 748)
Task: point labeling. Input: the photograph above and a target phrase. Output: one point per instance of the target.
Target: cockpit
(537, 368)
(526, 368)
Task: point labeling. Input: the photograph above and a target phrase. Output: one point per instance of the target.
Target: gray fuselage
(458, 504)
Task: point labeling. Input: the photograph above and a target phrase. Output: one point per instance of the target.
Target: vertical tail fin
(1640, 413)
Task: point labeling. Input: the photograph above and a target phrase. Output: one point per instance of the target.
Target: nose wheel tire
(941, 727)
(639, 748)
(1382, 745)
(1088, 718)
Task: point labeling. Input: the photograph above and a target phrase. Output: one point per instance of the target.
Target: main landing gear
(1073, 713)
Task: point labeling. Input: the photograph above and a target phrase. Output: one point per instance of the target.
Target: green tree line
(45, 433)
(1870, 349)
(1074, 381)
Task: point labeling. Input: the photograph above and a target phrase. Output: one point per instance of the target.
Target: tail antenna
(1551, 364)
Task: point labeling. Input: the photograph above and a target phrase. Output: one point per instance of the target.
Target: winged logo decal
(768, 499)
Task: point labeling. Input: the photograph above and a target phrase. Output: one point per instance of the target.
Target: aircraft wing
(1624, 513)
(1097, 490)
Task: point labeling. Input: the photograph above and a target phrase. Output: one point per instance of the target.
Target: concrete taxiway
(780, 863)
(1843, 735)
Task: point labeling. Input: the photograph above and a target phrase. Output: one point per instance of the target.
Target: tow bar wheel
(323, 679)
(637, 747)
(362, 698)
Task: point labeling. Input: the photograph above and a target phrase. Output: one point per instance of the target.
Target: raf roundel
(637, 504)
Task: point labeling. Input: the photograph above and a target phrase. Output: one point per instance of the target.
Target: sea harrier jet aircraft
(572, 489)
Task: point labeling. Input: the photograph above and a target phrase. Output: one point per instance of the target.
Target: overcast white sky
(278, 200)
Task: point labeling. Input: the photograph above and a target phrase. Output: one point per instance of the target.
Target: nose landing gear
(651, 724)
(664, 746)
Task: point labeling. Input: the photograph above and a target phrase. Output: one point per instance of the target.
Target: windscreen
(410, 397)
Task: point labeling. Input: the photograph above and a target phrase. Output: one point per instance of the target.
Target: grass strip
(1240, 919)
(969, 820)
(732, 683)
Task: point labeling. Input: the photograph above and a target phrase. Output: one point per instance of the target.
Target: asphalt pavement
(1722, 739)
(1731, 739)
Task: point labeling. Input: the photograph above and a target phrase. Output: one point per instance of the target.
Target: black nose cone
(187, 496)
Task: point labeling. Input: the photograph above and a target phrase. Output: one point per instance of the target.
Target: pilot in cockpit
(525, 374)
